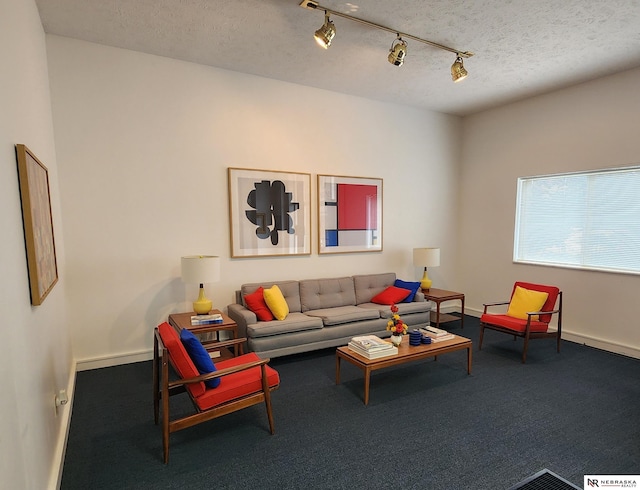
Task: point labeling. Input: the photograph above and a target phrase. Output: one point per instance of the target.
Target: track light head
(398, 51)
(326, 33)
(458, 71)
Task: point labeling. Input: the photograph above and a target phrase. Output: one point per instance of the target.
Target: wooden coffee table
(406, 353)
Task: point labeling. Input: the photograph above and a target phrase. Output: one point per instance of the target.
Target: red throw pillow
(391, 295)
(256, 303)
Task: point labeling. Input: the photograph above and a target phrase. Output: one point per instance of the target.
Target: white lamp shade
(200, 269)
(426, 257)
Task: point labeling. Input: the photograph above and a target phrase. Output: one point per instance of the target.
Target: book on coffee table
(436, 336)
(375, 354)
(434, 332)
(370, 343)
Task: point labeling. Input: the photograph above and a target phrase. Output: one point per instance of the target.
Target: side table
(440, 295)
(183, 320)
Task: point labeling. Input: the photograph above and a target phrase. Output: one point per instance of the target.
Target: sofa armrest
(242, 316)
(419, 296)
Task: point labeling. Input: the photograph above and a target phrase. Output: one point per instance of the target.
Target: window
(588, 220)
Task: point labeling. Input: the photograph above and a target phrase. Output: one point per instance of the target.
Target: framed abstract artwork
(38, 224)
(349, 214)
(269, 212)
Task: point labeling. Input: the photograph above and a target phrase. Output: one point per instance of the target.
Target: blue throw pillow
(199, 356)
(411, 286)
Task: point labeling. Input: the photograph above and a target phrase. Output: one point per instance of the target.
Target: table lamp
(426, 257)
(200, 269)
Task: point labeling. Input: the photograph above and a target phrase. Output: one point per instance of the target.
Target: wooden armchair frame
(527, 333)
(164, 388)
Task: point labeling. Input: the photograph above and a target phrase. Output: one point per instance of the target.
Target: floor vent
(545, 480)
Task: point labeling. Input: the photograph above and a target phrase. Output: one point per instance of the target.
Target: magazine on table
(371, 343)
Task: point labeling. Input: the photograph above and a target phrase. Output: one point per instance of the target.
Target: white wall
(143, 146)
(36, 359)
(589, 126)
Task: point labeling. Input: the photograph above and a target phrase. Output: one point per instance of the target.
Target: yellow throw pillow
(276, 302)
(525, 300)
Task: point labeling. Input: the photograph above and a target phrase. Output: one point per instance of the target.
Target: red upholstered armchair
(245, 380)
(531, 308)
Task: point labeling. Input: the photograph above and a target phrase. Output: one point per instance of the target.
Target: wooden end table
(183, 320)
(440, 295)
(406, 353)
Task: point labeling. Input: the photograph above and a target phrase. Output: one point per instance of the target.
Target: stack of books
(372, 347)
(206, 319)
(436, 334)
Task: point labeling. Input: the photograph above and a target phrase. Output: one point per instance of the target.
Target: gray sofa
(324, 313)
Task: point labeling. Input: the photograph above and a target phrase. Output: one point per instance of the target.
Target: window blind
(588, 220)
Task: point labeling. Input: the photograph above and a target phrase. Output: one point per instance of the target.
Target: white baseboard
(602, 344)
(55, 478)
(588, 340)
(115, 360)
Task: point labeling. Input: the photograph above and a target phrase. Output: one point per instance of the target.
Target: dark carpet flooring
(428, 425)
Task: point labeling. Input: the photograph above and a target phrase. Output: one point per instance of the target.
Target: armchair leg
(165, 409)
(267, 398)
(156, 381)
(481, 336)
(524, 350)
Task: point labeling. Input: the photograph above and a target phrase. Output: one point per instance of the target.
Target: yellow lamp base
(425, 283)
(202, 305)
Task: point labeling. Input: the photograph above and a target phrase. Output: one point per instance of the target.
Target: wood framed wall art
(349, 214)
(38, 224)
(269, 212)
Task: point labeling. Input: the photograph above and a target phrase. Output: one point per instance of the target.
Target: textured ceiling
(522, 47)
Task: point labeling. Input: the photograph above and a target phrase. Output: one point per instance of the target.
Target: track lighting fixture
(398, 50)
(458, 71)
(326, 33)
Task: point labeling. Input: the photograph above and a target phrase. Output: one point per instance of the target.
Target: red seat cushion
(180, 359)
(238, 384)
(515, 324)
(550, 304)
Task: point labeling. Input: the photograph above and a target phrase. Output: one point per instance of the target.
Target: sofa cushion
(317, 294)
(390, 296)
(199, 356)
(295, 322)
(526, 300)
(343, 314)
(237, 384)
(290, 291)
(276, 302)
(368, 285)
(403, 308)
(411, 286)
(256, 303)
(180, 358)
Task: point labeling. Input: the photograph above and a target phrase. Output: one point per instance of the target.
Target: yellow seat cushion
(276, 302)
(525, 300)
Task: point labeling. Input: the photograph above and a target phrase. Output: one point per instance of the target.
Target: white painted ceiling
(522, 47)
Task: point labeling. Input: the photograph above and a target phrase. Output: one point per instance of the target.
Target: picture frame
(269, 212)
(349, 214)
(38, 224)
